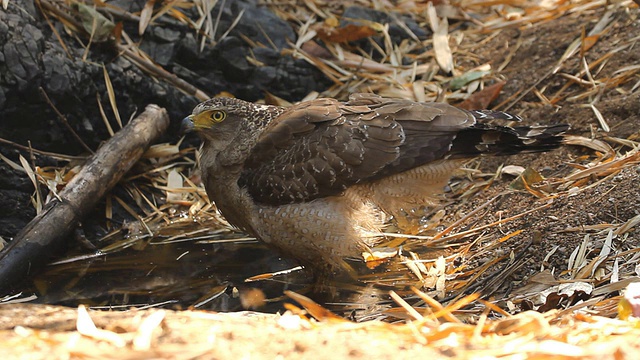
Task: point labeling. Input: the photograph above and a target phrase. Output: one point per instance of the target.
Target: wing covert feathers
(321, 147)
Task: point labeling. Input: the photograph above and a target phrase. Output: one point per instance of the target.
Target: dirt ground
(578, 217)
(612, 201)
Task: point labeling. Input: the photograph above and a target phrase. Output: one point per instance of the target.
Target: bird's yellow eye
(218, 115)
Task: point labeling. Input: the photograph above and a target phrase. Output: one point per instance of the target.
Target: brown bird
(315, 179)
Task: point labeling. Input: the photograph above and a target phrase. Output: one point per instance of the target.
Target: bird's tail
(483, 115)
(503, 140)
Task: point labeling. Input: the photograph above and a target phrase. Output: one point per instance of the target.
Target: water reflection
(207, 271)
(203, 266)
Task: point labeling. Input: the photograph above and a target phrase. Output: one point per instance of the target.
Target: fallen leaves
(331, 30)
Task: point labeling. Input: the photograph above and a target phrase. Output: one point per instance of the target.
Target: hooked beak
(187, 125)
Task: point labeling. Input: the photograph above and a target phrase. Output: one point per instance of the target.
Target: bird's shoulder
(371, 109)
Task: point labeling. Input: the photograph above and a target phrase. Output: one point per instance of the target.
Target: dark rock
(161, 44)
(35, 59)
(257, 23)
(291, 77)
(15, 196)
(232, 59)
(21, 54)
(166, 34)
(266, 56)
(225, 66)
(396, 32)
(15, 212)
(132, 6)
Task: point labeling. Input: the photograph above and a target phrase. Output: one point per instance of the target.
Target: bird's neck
(220, 178)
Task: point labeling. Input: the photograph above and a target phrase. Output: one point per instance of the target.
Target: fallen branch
(48, 231)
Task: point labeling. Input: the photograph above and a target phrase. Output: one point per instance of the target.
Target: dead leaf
(314, 309)
(86, 327)
(470, 76)
(529, 176)
(330, 31)
(112, 96)
(588, 42)
(525, 322)
(377, 256)
(95, 23)
(271, 99)
(483, 98)
(594, 144)
(312, 48)
(174, 182)
(513, 170)
(117, 32)
(440, 28)
(145, 16)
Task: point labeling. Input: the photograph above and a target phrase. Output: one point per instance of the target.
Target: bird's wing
(321, 147)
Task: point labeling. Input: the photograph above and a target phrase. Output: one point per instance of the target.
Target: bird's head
(223, 120)
(216, 118)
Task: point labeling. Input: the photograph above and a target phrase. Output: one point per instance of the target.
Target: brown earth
(612, 201)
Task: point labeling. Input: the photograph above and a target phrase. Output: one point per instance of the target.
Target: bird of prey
(314, 179)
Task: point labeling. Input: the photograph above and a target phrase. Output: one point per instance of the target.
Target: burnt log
(48, 231)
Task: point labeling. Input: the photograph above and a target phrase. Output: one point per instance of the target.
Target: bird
(316, 179)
